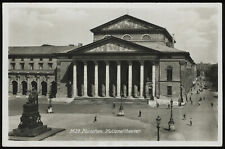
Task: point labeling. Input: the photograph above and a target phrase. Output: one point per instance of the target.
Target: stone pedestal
(92, 90)
(103, 90)
(30, 122)
(146, 91)
(82, 89)
(135, 91)
(124, 90)
(113, 90)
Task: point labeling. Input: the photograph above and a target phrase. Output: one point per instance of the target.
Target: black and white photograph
(112, 74)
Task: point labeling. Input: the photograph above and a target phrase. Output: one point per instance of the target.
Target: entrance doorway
(14, 87)
(44, 88)
(34, 84)
(53, 89)
(24, 87)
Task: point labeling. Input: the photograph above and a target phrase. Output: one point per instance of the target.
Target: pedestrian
(190, 122)
(157, 105)
(114, 105)
(190, 98)
(184, 117)
(200, 99)
(191, 101)
(199, 103)
(168, 106)
(95, 119)
(211, 104)
(139, 113)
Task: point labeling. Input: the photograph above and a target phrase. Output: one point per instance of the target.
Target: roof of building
(126, 16)
(37, 50)
(49, 49)
(159, 47)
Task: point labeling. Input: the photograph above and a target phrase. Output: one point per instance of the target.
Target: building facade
(128, 57)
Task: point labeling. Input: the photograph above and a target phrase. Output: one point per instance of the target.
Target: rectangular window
(50, 59)
(22, 66)
(50, 65)
(22, 59)
(31, 59)
(13, 59)
(169, 74)
(169, 90)
(40, 65)
(31, 66)
(41, 59)
(13, 66)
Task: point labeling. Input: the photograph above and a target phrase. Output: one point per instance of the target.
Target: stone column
(96, 79)
(38, 85)
(130, 79)
(107, 79)
(48, 86)
(141, 78)
(28, 83)
(153, 79)
(10, 85)
(85, 79)
(18, 84)
(118, 79)
(74, 80)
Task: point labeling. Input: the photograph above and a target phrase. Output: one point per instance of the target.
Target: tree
(212, 76)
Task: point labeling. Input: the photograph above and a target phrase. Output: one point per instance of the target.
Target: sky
(195, 25)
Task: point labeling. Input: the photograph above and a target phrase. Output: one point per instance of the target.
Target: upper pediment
(125, 22)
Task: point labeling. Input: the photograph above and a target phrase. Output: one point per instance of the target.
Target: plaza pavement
(80, 115)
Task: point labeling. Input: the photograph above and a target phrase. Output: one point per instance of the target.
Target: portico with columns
(110, 78)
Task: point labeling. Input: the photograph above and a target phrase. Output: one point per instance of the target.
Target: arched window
(24, 87)
(169, 73)
(44, 88)
(146, 37)
(126, 37)
(14, 87)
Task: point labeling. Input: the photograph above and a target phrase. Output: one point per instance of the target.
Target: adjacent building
(128, 57)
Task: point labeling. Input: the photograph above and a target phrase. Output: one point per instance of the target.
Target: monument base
(40, 137)
(27, 132)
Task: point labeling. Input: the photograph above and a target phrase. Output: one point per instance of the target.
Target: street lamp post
(171, 122)
(181, 98)
(158, 119)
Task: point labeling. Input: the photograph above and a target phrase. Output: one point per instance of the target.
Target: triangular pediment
(126, 22)
(114, 48)
(112, 45)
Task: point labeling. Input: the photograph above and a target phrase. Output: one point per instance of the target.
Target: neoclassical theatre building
(128, 56)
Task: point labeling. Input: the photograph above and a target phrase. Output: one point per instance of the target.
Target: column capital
(155, 62)
(106, 62)
(130, 62)
(141, 62)
(95, 62)
(85, 62)
(118, 62)
(74, 62)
